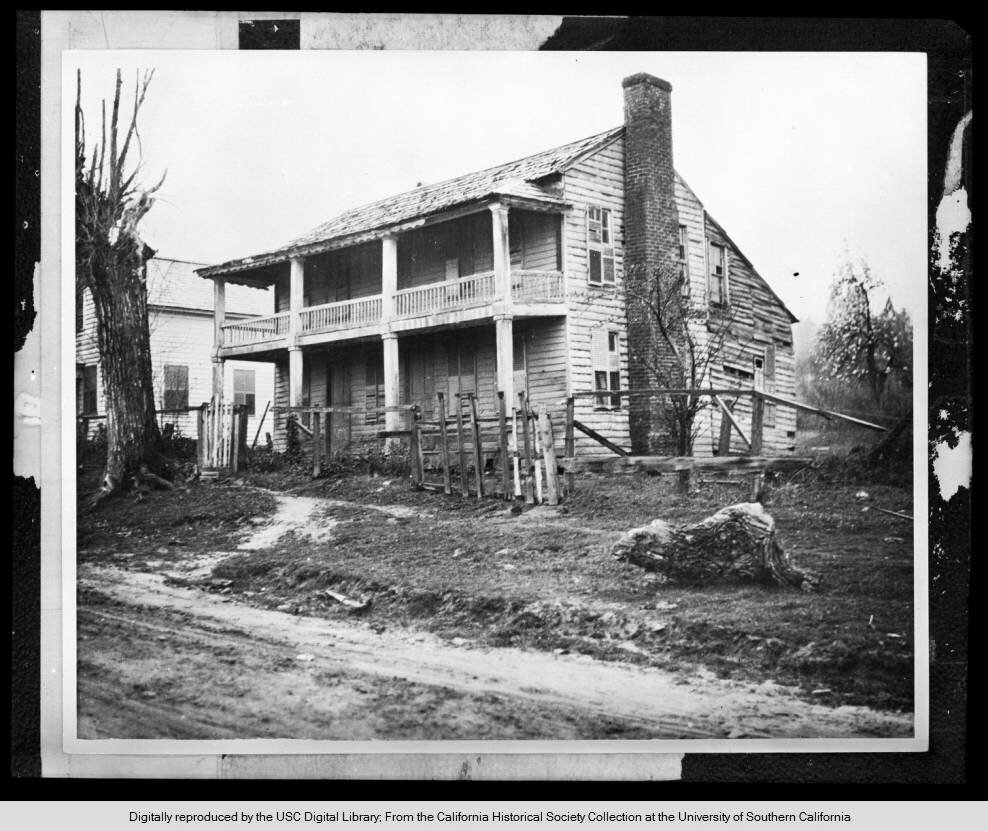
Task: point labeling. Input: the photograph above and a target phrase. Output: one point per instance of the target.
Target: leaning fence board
(528, 483)
(503, 442)
(569, 446)
(316, 449)
(731, 422)
(798, 405)
(478, 461)
(597, 437)
(464, 482)
(757, 425)
(674, 464)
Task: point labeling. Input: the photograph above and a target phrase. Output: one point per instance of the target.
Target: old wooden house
(512, 278)
(180, 321)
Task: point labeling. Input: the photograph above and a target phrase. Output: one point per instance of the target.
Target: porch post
(218, 366)
(503, 328)
(294, 376)
(502, 255)
(296, 289)
(389, 276)
(219, 310)
(219, 318)
(392, 418)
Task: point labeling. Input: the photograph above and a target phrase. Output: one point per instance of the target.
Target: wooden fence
(222, 432)
(513, 454)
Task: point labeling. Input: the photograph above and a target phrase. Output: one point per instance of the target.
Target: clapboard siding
(597, 180)
(180, 324)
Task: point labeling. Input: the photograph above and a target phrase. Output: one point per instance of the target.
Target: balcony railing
(537, 286)
(452, 295)
(475, 290)
(347, 314)
(256, 330)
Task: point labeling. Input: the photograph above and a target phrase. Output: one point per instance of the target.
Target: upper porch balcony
(469, 297)
(469, 268)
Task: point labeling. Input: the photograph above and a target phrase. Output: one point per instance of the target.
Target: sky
(802, 157)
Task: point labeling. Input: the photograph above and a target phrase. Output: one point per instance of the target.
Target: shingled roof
(514, 179)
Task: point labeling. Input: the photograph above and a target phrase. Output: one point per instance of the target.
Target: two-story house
(180, 322)
(512, 278)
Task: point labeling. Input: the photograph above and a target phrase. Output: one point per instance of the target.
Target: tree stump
(736, 544)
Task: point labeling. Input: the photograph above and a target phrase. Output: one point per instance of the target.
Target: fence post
(502, 425)
(444, 440)
(415, 447)
(201, 437)
(549, 457)
(461, 449)
(757, 421)
(316, 443)
(235, 416)
(478, 455)
(570, 447)
(529, 494)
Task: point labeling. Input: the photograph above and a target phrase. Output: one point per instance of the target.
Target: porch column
(392, 418)
(218, 366)
(502, 255)
(219, 311)
(219, 318)
(296, 289)
(503, 328)
(389, 276)
(294, 376)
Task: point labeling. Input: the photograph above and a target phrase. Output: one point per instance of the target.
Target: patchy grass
(543, 578)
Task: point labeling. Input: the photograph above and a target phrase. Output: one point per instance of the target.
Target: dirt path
(275, 674)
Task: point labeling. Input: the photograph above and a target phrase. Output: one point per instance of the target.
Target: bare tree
(111, 262)
(690, 338)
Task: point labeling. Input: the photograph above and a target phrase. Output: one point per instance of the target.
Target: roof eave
(288, 253)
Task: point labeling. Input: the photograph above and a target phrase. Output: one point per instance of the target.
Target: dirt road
(159, 660)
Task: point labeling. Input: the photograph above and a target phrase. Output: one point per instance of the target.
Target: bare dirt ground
(213, 621)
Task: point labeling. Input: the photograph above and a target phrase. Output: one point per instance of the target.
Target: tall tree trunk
(120, 300)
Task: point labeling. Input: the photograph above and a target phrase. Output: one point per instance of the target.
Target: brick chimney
(651, 237)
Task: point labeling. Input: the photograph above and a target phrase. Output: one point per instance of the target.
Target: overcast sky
(799, 156)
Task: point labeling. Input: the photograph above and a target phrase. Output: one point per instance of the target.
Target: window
(770, 368)
(684, 264)
(600, 246)
(741, 376)
(768, 418)
(717, 263)
(605, 350)
(89, 389)
(243, 388)
(176, 387)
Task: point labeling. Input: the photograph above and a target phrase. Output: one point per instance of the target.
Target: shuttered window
(770, 368)
(243, 389)
(600, 246)
(684, 264)
(605, 348)
(717, 278)
(89, 380)
(176, 387)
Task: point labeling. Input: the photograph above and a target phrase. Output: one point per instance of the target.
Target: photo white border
(59, 720)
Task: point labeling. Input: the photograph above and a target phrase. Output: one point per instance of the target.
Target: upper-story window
(600, 246)
(717, 277)
(684, 261)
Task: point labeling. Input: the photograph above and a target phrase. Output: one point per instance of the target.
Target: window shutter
(770, 362)
(598, 349)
